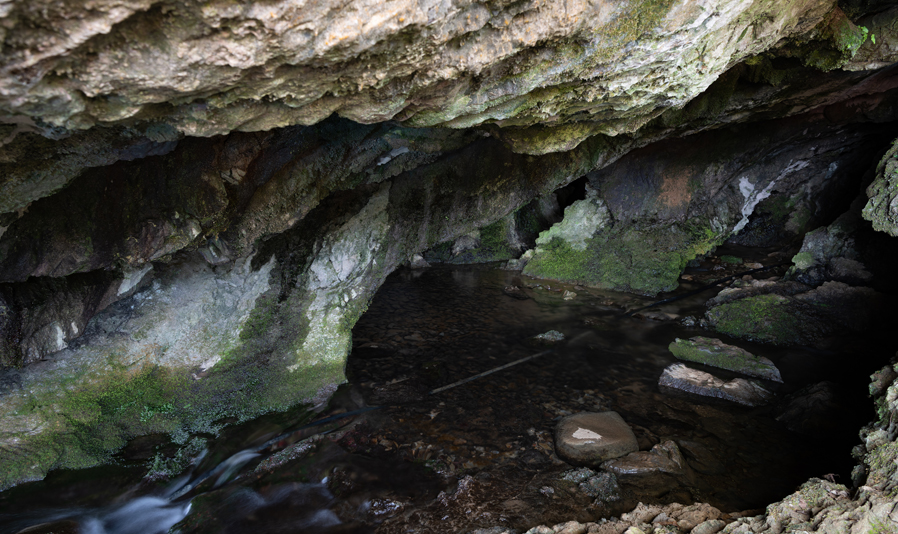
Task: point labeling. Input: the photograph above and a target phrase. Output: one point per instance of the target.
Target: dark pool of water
(480, 454)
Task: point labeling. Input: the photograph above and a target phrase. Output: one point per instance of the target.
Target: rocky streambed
(483, 456)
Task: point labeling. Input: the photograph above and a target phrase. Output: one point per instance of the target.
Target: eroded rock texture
(663, 205)
(212, 67)
(188, 233)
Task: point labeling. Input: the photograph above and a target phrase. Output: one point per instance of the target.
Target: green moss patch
(560, 261)
(715, 353)
(766, 318)
(641, 260)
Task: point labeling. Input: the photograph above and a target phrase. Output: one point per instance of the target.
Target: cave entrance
(490, 442)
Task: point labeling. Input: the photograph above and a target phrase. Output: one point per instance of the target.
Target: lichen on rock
(254, 68)
(882, 208)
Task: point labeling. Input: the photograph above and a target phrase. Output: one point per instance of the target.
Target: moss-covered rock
(831, 45)
(788, 315)
(830, 253)
(715, 353)
(589, 247)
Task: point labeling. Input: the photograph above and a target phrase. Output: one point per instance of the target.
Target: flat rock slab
(591, 438)
(739, 390)
(716, 353)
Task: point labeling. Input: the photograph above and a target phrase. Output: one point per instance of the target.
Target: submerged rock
(601, 486)
(548, 338)
(515, 292)
(663, 458)
(592, 438)
(738, 390)
(716, 353)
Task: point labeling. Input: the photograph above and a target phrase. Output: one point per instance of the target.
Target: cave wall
(665, 204)
(200, 199)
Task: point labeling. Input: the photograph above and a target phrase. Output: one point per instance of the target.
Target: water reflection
(480, 454)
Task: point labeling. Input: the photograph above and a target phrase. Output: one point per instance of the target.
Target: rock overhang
(207, 68)
(129, 80)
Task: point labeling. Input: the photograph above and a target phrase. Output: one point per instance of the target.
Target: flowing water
(479, 454)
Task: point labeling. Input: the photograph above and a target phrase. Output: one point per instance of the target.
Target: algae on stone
(793, 314)
(715, 353)
(641, 260)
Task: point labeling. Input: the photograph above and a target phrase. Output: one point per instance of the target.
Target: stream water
(480, 454)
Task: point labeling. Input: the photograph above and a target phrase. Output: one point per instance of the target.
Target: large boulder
(831, 252)
(792, 313)
(592, 438)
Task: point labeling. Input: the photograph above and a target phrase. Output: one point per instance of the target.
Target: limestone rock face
(224, 66)
(271, 163)
(882, 208)
(830, 253)
(660, 206)
(592, 438)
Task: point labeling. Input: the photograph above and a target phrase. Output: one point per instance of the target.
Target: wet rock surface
(791, 313)
(519, 406)
(716, 353)
(746, 392)
(482, 455)
(592, 438)
(664, 457)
